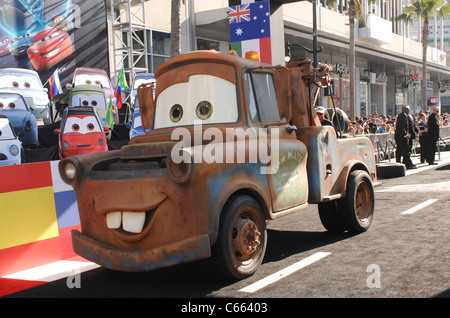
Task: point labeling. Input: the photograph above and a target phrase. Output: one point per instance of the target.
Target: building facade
(388, 59)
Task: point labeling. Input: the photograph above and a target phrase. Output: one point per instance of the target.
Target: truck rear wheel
(242, 240)
(359, 203)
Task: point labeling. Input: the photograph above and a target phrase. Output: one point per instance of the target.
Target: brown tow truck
(234, 143)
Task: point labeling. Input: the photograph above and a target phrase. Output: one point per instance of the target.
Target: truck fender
(341, 184)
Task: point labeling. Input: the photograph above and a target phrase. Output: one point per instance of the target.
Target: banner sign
(49, 35)
(250, 29)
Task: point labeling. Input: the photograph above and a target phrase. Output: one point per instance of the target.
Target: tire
(328, 213)
(242, 239)
(390, 170)
(358, 205)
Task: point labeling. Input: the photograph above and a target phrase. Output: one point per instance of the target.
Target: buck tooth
(133, 221)
(114, 220)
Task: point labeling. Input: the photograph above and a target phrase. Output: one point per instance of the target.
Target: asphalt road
(402, 255)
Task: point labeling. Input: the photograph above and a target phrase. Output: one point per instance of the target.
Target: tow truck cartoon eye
(203, 97)
(176, 113)
(204, 110)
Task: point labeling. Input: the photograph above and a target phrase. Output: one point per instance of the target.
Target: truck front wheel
(242, 240)
(357, 207)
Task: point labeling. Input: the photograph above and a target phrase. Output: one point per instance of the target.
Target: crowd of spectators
(379, 124)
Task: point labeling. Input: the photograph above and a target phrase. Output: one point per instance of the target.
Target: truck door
(286, 171)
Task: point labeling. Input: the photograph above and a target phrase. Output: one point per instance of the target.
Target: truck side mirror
(282, 79)
(146, 105)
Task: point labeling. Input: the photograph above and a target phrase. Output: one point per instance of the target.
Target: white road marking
(430, 187)
(53, 271)
(419, 206)
(284, 272)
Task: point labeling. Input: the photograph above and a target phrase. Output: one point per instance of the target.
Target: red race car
(81, 132)
(50, 47)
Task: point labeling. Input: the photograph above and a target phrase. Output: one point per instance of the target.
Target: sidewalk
(442, 158)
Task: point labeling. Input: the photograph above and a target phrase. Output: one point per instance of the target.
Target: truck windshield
(261, 97)
(204, 98)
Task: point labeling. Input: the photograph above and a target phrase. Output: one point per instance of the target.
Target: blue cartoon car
(10, 145)
(13, 106)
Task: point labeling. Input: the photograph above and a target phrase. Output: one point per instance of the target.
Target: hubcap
(362, 202)
(245, 238)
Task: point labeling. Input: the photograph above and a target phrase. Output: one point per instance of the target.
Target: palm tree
(423, 10)
(353, 8)
(175, 33)
(407, 19)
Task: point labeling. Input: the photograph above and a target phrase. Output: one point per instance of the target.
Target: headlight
(14, 150)
(35, 51)
(180, 170)
(69, 169)
(65, 145)
(100, 142)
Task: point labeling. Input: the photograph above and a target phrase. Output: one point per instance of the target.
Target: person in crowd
(372, 125)
(423, 128)
(412, 128)
(320, 111)
(402, 137)
(432, 135)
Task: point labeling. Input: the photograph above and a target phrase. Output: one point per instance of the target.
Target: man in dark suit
(402, 136)
(432, 135)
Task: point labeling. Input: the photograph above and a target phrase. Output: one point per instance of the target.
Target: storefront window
(207, 45)
(160, 43)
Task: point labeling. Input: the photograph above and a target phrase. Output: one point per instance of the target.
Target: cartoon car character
(171, 196)
(80, 132)
(94, 76)
(28, 84)
(10, 145)
(50, 47)
(89, 95)
(138, 80)
(4, 46)
(136, 123)
(23, 121)
(20, 45)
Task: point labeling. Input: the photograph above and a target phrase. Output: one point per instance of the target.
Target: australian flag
(249, 21)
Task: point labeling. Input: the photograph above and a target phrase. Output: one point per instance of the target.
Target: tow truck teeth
(113, 220)
(132, 222)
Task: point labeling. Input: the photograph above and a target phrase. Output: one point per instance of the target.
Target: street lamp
(315, 50)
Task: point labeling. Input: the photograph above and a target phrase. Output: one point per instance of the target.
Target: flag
(118, 96)
(55, 85)
(250, 29)
(110, 115)
(122, 80)
(238, 14)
